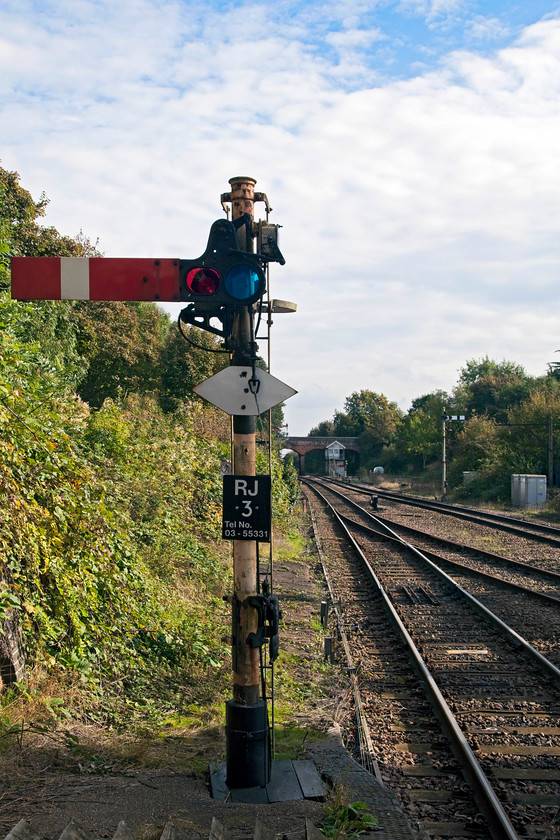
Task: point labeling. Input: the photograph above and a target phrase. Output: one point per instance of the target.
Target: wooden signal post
(247, 736)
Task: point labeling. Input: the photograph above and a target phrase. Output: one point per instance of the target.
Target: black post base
(247, 745)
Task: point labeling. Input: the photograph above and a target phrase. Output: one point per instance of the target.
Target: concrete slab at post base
(289, 781)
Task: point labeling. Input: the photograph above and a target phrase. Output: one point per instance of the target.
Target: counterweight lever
(269, 614)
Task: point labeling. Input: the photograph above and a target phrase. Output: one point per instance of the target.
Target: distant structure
(335, 459)
(303, 445)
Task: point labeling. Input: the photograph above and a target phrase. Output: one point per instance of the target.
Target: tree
(366, 410)
(432, 403)
(49, 324)
(518, 445)
(103, 349)
(372, 418)
(22, 235)
(121, 343)
(492, 388)
(494, 396)
(323, 429)
(476, 369)
(480, 446)
(419, 433)
(528, 427)
(184, 364)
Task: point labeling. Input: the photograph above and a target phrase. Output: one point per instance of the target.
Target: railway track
(519, 542)
(514, 525)
(428, 651)
(525, 594)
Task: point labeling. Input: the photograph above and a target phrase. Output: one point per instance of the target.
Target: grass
(46, 723)
(491, 543)
(293, 546)
(290, 740)
(41, 728)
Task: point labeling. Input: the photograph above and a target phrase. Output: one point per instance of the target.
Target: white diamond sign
(237, 392)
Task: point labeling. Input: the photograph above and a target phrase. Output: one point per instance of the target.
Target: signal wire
(254, 383)
(194, 343)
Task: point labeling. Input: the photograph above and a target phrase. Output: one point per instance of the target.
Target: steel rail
(367, 752)
(499, 558)
(485, 796)
(437, 558)
(483, 552)
(554, 576)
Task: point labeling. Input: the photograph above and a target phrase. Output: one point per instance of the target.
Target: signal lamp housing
(223, 275)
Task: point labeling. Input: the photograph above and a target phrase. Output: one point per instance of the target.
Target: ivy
(78, 529)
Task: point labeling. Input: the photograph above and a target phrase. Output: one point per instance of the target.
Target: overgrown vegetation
(107, 517)
(110, 503)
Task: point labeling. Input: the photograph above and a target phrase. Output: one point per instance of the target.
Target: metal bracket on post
(267, 243)
(269, 615)
(193, 314)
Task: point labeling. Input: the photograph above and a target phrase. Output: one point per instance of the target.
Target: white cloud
(350, 39)
(420, 215)
(482, 28)
(433, 10)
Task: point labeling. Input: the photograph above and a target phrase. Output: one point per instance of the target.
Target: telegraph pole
(444, 419)
(550, 448)
(246, 677)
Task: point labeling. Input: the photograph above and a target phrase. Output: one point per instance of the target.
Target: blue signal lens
(242, 282)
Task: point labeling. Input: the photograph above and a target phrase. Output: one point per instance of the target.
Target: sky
(410, 149)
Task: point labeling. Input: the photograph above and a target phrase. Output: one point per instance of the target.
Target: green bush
(110, 530)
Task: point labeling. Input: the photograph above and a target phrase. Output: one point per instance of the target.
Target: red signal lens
(203, 281)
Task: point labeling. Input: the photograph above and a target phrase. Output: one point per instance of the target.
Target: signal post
(247, 737)
(246, 676)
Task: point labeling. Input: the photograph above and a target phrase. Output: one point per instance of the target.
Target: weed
(345, 820)
(316, 625)
(291, 544)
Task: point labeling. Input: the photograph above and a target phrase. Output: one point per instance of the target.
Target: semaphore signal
(226, 284)
(95, 278)
(222, 276)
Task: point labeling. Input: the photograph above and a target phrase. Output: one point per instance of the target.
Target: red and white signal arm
(95, 278)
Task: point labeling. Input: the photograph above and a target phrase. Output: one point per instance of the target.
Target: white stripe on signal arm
(74, 278)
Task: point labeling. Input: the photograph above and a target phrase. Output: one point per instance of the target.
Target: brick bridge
(303, 445)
